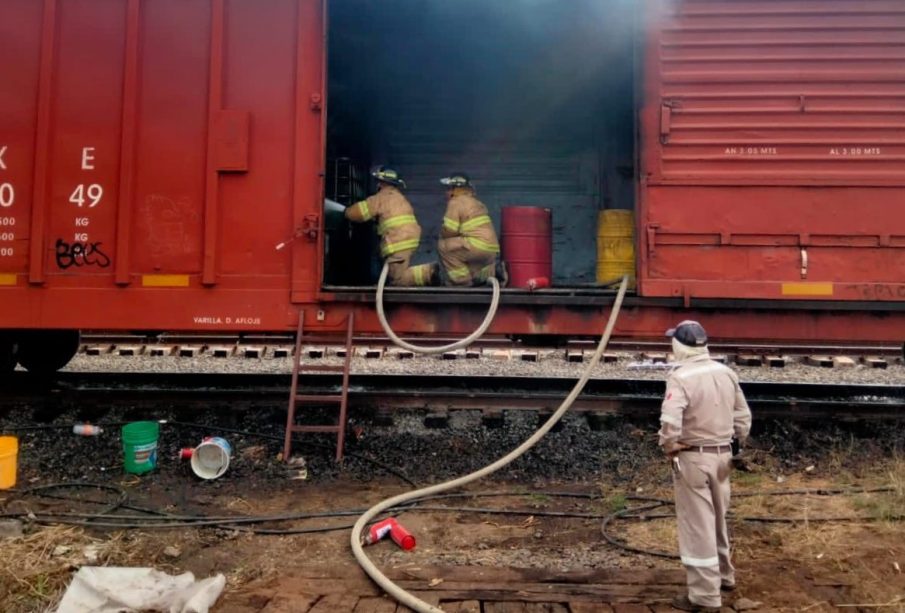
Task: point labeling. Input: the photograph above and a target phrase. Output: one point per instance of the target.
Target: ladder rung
(315, 398)
(320, 368)
(315, 429)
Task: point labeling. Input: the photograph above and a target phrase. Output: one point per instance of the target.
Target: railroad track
(281, 346)
(100, 338)
(442, 393)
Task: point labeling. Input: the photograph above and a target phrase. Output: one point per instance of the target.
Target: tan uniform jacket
(466, 216)
(704, 405)
(395, 217)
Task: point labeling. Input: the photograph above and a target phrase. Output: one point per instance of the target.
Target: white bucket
(211, 457)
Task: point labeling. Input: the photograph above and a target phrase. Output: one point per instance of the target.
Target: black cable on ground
(249, 523)
(41, 491)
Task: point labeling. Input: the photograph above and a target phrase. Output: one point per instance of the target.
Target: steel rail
(444, 392)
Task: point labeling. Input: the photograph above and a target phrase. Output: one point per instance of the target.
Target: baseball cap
(689, 333)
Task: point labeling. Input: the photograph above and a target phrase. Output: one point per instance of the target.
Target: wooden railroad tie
(314, 353)
(159, 351)
(401, 354)
(492, 418)
(841, 361)
(282, 351)
(189, 351)
(748, 359)
(473, 354)
(874, 362)
(98, 349)
(823, 361)
(575, 356)
(456, 354)
(436, 419)
(130, 350)
(775, 361)
(654, 356)
(222, 351)
(528, 355)
(254, 352)
(374, 353)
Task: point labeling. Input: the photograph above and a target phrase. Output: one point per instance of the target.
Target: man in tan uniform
(397, 226)
(704, 409)
(468, 245)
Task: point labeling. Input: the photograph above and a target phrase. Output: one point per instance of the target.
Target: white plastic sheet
(97, 589)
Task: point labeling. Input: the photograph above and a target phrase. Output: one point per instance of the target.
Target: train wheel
(43, 352)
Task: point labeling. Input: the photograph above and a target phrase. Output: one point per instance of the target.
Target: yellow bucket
(615, 246)
(9, 452)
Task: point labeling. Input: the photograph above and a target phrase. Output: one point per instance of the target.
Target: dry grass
(36, 568)
(31, 576)
(869, 555)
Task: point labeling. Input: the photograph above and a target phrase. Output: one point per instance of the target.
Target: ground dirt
(807, 565)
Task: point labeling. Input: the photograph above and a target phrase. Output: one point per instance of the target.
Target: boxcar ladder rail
(318, 400)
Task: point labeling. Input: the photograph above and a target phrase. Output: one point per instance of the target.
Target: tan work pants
(464, 264)
(702, 500)
(403, 275)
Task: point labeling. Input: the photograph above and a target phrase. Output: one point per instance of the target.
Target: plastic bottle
(86, 430)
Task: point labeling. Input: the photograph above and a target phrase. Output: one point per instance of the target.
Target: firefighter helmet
(457, 179)
(388, 175)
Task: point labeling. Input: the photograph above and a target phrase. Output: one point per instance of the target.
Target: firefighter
(468, 245)
(397, 226)
(703, 411)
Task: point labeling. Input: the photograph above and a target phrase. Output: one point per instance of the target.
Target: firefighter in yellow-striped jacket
(397, 226)
(468, 245)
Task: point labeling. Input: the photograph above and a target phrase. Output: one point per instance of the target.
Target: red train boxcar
(153, 154)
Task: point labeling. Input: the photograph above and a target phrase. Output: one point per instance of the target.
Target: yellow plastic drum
(9, 456)
(615, 246)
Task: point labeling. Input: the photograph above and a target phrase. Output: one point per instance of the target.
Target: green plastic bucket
(140, 446)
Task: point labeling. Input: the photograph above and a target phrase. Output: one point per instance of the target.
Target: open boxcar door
(774, 150)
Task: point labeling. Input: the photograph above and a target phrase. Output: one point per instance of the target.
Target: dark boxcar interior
(535, 99)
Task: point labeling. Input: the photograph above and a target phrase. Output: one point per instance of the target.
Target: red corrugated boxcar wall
(152, 154)
(774, 150)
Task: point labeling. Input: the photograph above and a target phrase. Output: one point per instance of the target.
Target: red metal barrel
(526, 239)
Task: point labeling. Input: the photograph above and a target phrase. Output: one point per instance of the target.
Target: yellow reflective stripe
(365, 211)
(482, 245)
(418, 273)
(477, 222)
(450, 224)
(391, 248)
(487, 272)
(395, 222)
(458, 273)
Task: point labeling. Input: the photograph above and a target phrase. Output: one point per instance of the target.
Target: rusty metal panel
(773, 150)
(796, 92)
(151, 146)
(20, 47)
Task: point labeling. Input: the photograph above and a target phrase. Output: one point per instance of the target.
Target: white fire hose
(382, 580)
(465, 342)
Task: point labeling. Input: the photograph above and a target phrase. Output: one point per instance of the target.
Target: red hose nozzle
(399, 535)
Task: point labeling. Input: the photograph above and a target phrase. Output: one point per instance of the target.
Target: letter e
(87, 158)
